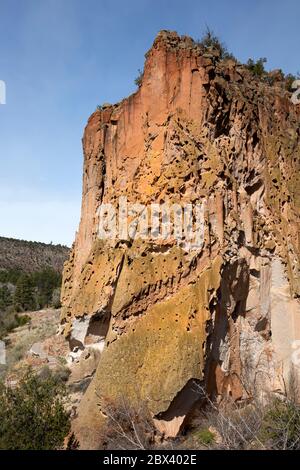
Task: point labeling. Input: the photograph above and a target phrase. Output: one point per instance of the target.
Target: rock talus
(169, 317)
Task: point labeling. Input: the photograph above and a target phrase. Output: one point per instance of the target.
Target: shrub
(22, 320)
(59, 375)
(139, 78)
(56, 298)
(289, 80)
(210, 42)
(281, 425)
(15, 354)
(9, 320)
(128, 427)
(206, 437)
(257, 68)
(62, 374)
(272, 424)
(237, 426)
(32, 415)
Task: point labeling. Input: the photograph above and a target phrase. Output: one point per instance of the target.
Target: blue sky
(60, 58)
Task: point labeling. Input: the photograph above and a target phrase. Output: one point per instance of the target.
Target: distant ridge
(31, 256)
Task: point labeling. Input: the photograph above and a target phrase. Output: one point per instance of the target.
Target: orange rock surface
(168, 318)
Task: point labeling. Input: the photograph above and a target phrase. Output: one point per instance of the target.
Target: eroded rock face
(167, 317)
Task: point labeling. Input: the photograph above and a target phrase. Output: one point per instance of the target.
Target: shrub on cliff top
(139, 78)
(257, 68)
(210, 42)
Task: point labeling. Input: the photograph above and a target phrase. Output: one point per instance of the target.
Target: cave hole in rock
(255, 273)
(181, 408)
(97, 330)
(241, 238)
(255, 139)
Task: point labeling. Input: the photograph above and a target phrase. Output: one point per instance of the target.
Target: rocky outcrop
(167, 315)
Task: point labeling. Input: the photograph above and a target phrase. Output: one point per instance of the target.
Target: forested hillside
(30, 256)
(30, 279)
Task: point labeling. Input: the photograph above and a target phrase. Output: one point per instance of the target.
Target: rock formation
(165, 315)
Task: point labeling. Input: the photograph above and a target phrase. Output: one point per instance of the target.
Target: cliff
(169, 315)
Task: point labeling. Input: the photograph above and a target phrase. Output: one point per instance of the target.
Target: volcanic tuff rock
(167, 318)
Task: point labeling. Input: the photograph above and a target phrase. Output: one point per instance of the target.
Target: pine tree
(5, 297)
(46, 282)
(24, 298)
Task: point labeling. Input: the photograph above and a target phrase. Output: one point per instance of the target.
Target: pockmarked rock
(171, 320)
